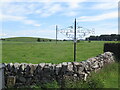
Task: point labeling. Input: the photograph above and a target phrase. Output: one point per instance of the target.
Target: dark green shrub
(38, 39)
(113, 47)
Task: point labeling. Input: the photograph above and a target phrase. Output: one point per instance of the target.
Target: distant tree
(89, 41)
(38, 39)
(86, 39)
(64, 40)
(112, 37)
(78, 41)
(2, 39)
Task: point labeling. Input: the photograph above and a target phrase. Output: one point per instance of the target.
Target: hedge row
(113, 47)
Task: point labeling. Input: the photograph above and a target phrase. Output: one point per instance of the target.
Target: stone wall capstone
(21, 74)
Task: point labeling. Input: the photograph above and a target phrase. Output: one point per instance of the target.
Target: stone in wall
(11, 81)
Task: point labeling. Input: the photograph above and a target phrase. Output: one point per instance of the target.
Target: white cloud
(31, 22)
(11, 18)
(3, 34)
(34, 33)
(37, 25)
(43, 9)
(75, 4)
(58, 0)
(106, 28)
(51, 9)
(19, 9)
(100, 31)
(105, 16)
(105, 6)
(70, 13)
(25, 0)
(19, 19)
(48, 8)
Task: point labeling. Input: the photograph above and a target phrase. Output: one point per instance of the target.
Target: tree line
(112, 37)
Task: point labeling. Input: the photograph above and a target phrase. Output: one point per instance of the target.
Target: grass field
(18, 50)
(37, 52)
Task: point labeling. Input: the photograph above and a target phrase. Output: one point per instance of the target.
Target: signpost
(75, 41)
(75, 34)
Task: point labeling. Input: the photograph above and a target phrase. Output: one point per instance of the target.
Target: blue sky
(38, 18)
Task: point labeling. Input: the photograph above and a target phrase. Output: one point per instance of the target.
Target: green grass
(25, 39)
(108, 76)
(104, 78)
(50, 52)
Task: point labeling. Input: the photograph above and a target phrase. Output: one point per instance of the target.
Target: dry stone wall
(20, 74)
